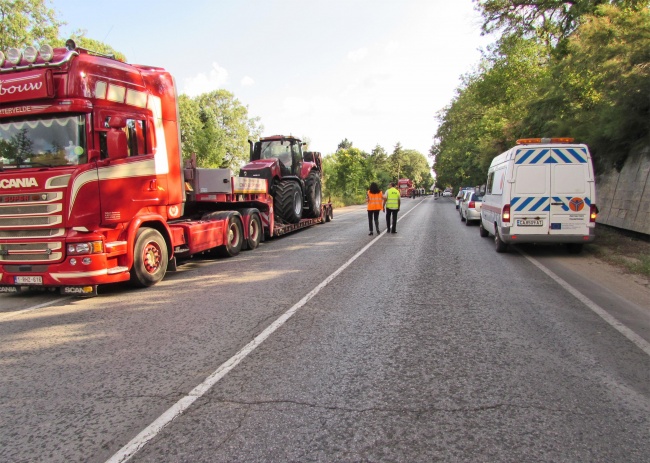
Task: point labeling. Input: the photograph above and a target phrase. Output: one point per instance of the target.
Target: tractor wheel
(150, 258)
(235, 238)
(288, 201)
(313, 194)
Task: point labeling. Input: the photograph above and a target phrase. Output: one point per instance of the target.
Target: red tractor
(294, 176)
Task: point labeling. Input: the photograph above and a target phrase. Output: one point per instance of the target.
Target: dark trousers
(392, 212)
(373, 215)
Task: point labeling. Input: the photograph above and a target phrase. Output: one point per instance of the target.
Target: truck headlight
(91, 247)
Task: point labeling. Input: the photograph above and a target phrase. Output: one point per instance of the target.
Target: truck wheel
(288, 201)
(234, 240)
(255, 231)
(150, 258)
(313, 193)
(499, 245)
(481, 230)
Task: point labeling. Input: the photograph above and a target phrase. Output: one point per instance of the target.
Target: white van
(541, 191)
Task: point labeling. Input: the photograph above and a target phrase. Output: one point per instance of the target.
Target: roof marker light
(14, 56)
(30, 54)
(533, 141)
(47, 53)
(2, 58)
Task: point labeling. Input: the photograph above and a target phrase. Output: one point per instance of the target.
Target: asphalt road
(421, 346)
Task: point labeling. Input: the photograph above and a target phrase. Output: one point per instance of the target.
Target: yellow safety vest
(392, 198)
(375, 201)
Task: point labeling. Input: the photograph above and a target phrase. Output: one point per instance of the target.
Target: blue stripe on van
(525, 156)
(539, 157)
(577, 156)
(524, 203)
(539, 203)
(561, 155)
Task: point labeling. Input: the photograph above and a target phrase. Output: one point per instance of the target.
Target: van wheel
(574, 248)
(481, 230)
(499, 245)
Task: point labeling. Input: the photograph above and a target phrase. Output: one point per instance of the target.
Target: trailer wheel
(150, 258)
(481, 230)
(499, 245)
(235, 238)
(288, 201)
(329, 214)
(255, 231)
(313, 194)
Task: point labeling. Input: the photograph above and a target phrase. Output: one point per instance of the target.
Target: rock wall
(624, 197)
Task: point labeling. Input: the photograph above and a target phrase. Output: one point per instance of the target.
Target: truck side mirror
(93, 155)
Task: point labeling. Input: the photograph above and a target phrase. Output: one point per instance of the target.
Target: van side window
(495, 181)
(135, 137)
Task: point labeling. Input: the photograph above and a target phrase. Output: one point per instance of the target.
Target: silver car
(470, 206)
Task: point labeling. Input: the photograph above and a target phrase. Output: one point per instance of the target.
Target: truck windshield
(51, 141)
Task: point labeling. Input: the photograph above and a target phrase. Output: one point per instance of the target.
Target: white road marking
(151, 431)
(29, 309)
(602, 313)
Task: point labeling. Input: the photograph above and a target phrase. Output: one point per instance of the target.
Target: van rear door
(530, 193)
(571, 182)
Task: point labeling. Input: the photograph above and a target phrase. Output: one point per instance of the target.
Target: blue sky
(372, 71)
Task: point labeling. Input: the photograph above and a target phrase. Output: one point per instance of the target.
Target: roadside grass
(628, 251)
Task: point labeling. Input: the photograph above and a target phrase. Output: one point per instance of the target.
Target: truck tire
(235, 238)
(313, 193)
(288, 201)
(329, 214)
(150, 258)
(255, 231)
(499, 245)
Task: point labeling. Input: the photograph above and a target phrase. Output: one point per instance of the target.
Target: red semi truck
(93, 186)
(405, 187)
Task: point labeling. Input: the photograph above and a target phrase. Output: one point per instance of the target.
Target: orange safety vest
(375, 201)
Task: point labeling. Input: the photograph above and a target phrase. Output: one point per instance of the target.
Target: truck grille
(31, 217)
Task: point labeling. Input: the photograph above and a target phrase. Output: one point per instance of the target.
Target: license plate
(29, 280)
(529, 223)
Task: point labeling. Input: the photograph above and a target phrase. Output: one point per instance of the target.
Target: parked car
(459, 195)
(470, 207)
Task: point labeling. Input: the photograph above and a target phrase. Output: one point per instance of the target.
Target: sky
(374, 72)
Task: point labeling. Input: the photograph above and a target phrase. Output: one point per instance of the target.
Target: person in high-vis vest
(375, 200)
(392, 203)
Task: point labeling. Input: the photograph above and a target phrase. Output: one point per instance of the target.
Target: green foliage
(216, 127)
(90, 44)
(592, 86)
(27, 22)
(349, 172)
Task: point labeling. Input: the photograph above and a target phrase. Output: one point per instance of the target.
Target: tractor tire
(150, 258)
(313, 194)
(288, 201)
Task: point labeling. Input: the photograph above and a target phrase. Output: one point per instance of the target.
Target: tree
(216, 127)
(80, 39)
(27, 22)
(549, 20)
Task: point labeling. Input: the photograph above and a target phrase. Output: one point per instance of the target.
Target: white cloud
(247, 81)
(204, 83)
(357, 55)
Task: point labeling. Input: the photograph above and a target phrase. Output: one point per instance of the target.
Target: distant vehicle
(446, 193)
(541, 191)
(470, 207)
(405, 187)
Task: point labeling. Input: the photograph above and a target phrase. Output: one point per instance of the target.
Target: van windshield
(48, 141)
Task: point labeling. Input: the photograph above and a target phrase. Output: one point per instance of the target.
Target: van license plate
(529, 223)
(29, 280)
